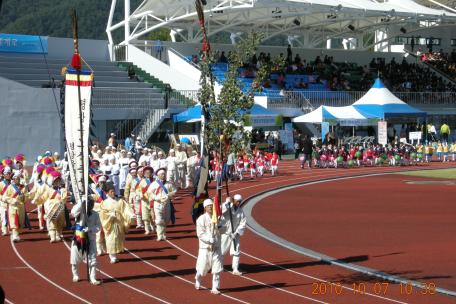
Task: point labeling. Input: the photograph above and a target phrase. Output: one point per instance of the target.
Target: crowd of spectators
(445, 62)
(409, 77)
(343, 76)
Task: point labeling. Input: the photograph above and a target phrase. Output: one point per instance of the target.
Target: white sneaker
(237, 273)
(75, 279)
(215, 291)
(197, 285)
(96, 282)
(113, 261)
(16, 239)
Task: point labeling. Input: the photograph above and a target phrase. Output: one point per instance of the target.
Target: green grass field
(443, 173)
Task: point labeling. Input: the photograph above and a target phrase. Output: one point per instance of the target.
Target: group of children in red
(374, 154)
(257, 164)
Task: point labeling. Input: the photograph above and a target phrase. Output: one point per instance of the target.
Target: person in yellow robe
(134, 200)
(54, 198)
(146, 213)
(161, 193)
(115, 216)
(36, 191)
(6, 180)
(15, 197)
(98, 196)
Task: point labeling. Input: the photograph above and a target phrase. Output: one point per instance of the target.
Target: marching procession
(136, 190)
(123, 192)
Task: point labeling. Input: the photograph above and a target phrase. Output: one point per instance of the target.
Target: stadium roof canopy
(308, 22)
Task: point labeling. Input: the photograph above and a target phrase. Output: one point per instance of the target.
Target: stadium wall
(30, 120)
(90, 49)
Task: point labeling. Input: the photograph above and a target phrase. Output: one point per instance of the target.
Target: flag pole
(76, 63)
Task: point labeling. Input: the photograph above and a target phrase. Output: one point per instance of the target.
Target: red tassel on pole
(76, 61)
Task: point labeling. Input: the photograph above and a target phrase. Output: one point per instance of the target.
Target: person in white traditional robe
(171, 170)
(209, 254)
(84, 233)
(162, 162)
(181, 164)
(154, 162)
(115, 173)
(192, 162)
(123, 173)
(232, 227)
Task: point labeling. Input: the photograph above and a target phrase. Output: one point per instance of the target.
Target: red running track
(163, 272)
(396, 224)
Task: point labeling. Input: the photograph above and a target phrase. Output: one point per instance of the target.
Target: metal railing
(131, 98)
(119, 53)
(127, 98)
(295, 99)
(150, 47)
(183, 98)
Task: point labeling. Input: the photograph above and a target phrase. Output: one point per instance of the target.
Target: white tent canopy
(347, 116)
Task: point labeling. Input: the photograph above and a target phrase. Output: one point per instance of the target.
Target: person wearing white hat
(144, 158)
(161, 193)
(162, 162)
(192, 163)
(123, 172)
(15, 196)
(6, 180)
(181, 163)
(171, 170)
(91, 228)
(233, 224)
(209, 254)
(112, 140)
(115, 216)
(154, 161)
(138, 144)
(98, 197)
(134, 199)
(146, 212)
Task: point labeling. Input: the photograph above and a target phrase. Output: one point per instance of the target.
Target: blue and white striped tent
(379, 102)
(346, 116)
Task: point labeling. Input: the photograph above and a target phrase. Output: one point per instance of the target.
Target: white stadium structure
(353, 31)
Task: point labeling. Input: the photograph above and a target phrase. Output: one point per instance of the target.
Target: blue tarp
(193, 114)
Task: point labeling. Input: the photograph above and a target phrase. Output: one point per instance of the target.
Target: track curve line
(46, 278)
(261, 231)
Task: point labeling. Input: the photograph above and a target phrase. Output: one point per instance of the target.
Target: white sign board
(382, 135)
(415, 135)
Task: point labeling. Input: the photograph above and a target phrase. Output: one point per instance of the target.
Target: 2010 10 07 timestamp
(377, 288)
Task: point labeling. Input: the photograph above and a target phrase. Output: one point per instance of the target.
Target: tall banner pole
(78, 93)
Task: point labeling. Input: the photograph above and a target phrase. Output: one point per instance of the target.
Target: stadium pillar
(127, 21)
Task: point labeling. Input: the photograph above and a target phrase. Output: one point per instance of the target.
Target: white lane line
(318, 279)
(44, 277)
(253, 280)
(8, 301)
(125, 284)
(181, 278)
(301, 274)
